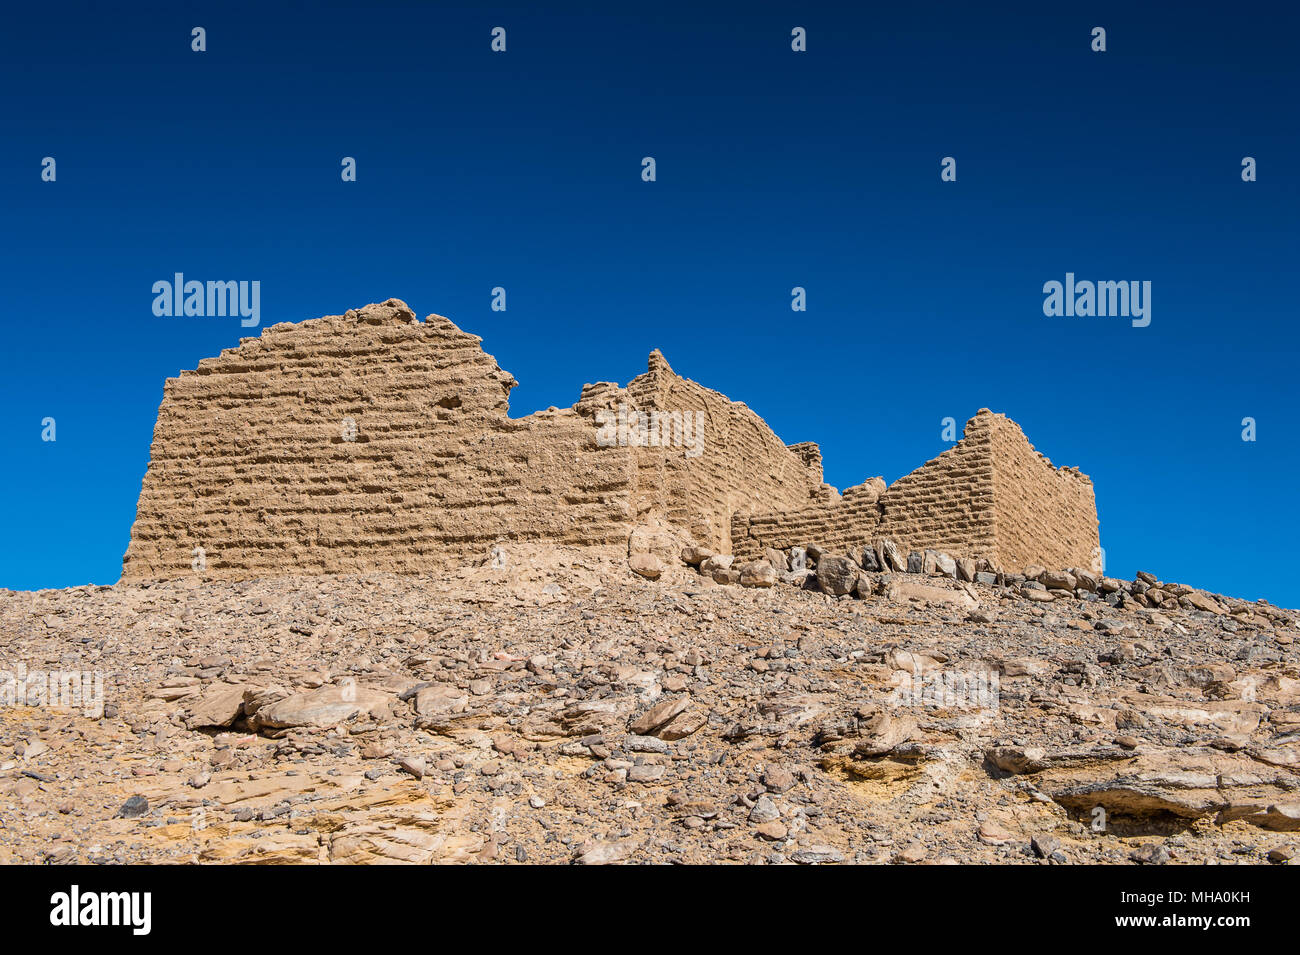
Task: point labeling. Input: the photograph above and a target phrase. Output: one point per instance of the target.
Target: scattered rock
(659, 715)
(773, 831)
(778, 779)
(219, 705)
(758, 573)
(320, 708)
(414, 765)
(469, 715)
(817, 855)
(764, 810)
(646, 565)
(836, 575)
(1150, 854)
(133, 808)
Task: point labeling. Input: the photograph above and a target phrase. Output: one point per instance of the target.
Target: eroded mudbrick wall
(372, 441)
(990, 495)
(1042, 515)
(251, 459)
(741, 463)
(947, 503)
(841, 523)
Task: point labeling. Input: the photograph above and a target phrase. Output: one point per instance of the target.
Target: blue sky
(775, 169)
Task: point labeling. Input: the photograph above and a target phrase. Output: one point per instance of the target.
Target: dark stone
(133, 808)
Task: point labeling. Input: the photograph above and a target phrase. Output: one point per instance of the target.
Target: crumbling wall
(371, 441)
(739, 464)
(989, 495)
(250, 459)
(838, 522)
(1043, 515)
(947, 503)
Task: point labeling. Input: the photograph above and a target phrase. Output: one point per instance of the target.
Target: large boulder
(323, 707)
(659, 715)
(891, 558)
(220, 705)
(836, 575)
(714, 563)
(865, 587)
(1057, 580)
(1085, 580)
(1202, 601)
(777, 559)
(695, 555)
(648, 566)
(438, 705)
(758, 573)
(937, 563)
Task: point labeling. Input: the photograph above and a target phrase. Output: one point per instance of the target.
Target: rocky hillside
(565, 708)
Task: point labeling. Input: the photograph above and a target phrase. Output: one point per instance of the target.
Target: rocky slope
(564, 708)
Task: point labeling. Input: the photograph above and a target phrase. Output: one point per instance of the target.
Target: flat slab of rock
(440, 698)
(321, 708)
(900, 589)
(606, 853)
(758, 573)
(219, 705)
(659, 715)
(817, 855)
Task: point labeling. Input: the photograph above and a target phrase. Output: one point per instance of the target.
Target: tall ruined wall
(1044, 515)
(741, 465)
(251, 459)
(250, 462)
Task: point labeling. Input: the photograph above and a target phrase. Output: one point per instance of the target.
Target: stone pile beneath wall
(883, 569)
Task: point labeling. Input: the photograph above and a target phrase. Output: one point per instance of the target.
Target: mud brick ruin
(372, 441)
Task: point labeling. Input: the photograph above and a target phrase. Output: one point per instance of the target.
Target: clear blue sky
(775, 169)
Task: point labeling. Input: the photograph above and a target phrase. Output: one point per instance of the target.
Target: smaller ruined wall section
(990, 495)
(1045, 515)
(946, 504)
(840, 523)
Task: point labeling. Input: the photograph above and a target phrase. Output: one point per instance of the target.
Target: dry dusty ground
(565, 709)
